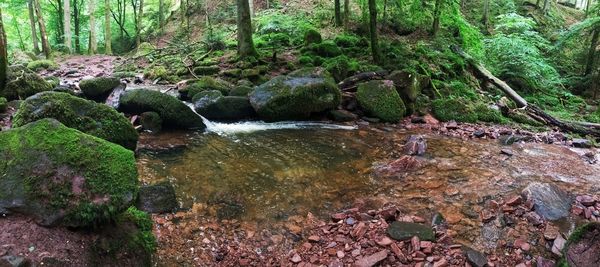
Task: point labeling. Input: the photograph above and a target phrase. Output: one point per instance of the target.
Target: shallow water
(270, 175)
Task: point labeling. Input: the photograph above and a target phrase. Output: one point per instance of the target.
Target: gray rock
(14, 261)
(549, 201)
(474, 257)
(342, 115)
(405, 230)
(158, 198)
(582, 143)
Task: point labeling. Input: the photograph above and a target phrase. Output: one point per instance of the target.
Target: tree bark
(338, 12)
(346, 15)
(93, 46)
(251, 4)
(486, 13)
(34, 38)
(67, 25)
(436, 17)
(77, 21)
(591, 59)
(107, 33)
(373, 31)
(3, 55)
(244, 31)
(43, 34)
(161, 14)
(138, 37)
(17, 27)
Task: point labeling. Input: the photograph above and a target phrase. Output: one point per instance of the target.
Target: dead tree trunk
(533, 111)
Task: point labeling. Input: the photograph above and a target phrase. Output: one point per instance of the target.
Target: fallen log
(532, 111)
(350, 83)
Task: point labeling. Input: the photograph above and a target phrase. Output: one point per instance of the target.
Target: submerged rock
(583, 249)
(61, 176)
(158, 198)
(549, 201)
(98, 89)
(380, 99)
(296, 96)
(405, 230)
(173, 112)
(87, 116)
(342, 115)
(151, 121)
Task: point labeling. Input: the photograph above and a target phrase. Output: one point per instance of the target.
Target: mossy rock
(233, 73)
(341, 67)
(296, 96)
(151, 121)
(43, 64)
(173, 112)
(53, 81)
(124, 74)
(409, 85)
(312, 36)
(157, 72)
(206, 96)
(144, 49)
(206, 70)
(250, 73)
(204, 84)
(325, 49)
(3, 104)
(24, 83)
(241, 90)
(87, 116)
(61, 176)
(381, 100)
(226, 108)
(98, 89)
(582, 248)
(346, 41)
(457, 109)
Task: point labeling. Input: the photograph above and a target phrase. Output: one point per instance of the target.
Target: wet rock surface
(158, 198)
(584, 246)
(549, 201)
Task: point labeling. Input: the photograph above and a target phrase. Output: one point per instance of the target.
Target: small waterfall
(255, 126)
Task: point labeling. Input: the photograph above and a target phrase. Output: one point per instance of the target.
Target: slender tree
(161, 14)
(93, 46)
(107, 34)
(3, 55)
(244, 31)
(43, 33)
(486, 12)
(346, 14)
(67, 25)
(436, 16)
(77, 7)
(18, 29)
(591, 59)
(34, 38)
(373, 30)
(338, 12)
(138, 37)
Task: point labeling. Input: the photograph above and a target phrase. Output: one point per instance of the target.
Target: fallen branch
(350, 83)
(532, 111)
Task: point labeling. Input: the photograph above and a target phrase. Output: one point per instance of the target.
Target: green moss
(208, 96)
(346, 41)
(44, 64)
(250, 73)
(224, 108)
(241, 90)
(144, 237)
(24, 84)
(341, 67)
(306, 60)
(53, 81)
(124, 74)
(3, 104)
(47, 159)
(89, 117)
(324, 49)
(98, 88)
(206, 70)
(151, 121)
(457, 109)
(157, 72)
(173, 112)
(205, 84)
(380, 99)
(487, 114)
(312, 36)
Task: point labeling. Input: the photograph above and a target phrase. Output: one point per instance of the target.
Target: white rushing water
(255, 126)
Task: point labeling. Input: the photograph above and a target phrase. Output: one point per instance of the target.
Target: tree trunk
(43, 33)
(338, 12)
(3, 55)
(373, 31)
(591, 59)
(244, 31)
(161, 14)
(107, 34)
(34, 38)
(587, 7)
(67, 25)
(486, 13)
(251, 3)
(77, 21)
(138, 38)
(385, 4)
(346, 15)
(17, 27)
(93, 46)
(436, 17)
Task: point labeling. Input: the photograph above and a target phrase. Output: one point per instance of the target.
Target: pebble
(371, 260)
(350, 221)
(296, 258)
(314, 238)
(386, 241)
(340, 254)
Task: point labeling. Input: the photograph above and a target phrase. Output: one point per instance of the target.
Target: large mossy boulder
(23, 83)
(296, 96)
(98, 89)
(172, 111)
(204, 84)
(87, 116)
(218, 107)
(61, 176)
(3, 104)
(312, 36)
(409, 85)
(380, 99)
